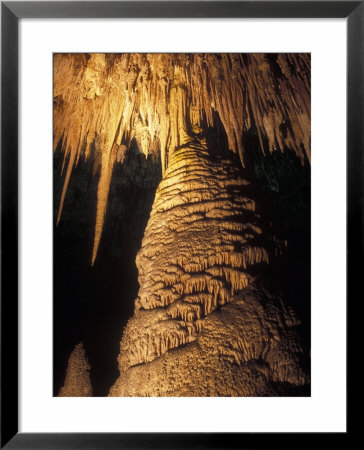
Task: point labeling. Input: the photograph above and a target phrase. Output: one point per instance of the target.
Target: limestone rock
(201, 326)
(77, 382)
(248, 347)
(204, 321)
(106, 100)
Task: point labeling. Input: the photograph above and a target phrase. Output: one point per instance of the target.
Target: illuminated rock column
(201, 326)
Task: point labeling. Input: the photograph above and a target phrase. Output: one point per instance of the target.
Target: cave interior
(121, 123)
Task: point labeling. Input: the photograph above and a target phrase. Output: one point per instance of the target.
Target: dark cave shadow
(283, 186)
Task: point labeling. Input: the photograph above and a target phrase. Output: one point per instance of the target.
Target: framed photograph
(181, 218)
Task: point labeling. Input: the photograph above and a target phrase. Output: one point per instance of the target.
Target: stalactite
(164, 100)
(200, 309)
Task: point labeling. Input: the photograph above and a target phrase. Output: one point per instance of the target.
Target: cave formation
(211, 154)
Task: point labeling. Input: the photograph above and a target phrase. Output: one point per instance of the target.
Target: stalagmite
(203, 323)
(77, 382)
(182, 301)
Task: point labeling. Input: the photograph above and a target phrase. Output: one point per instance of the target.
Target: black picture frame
(11, 12)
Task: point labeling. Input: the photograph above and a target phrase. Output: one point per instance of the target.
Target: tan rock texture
(109, 99)
(247, 348)
(201, 326)
(204, 323)
(77, 382)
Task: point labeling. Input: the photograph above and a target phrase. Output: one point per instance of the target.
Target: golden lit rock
(110, 99)
(77, 382)
(204, 322)
(199, 314)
